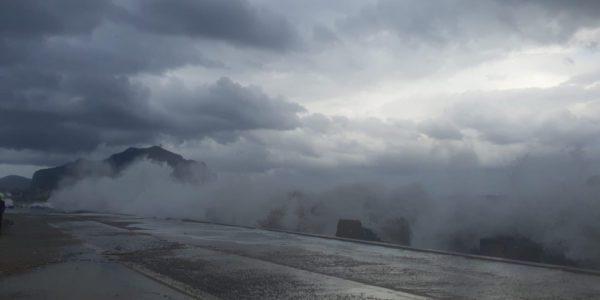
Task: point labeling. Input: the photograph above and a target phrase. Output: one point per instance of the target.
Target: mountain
(122, 160)
(46, 180)
(14, 182)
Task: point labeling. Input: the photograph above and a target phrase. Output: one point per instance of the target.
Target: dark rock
(519, 248)
(274, 219)
(353, 229)
(522, 248)
(349, 229)
(369, 235)
(397, 231)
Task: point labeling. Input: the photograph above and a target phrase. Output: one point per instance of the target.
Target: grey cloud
(71, 83)
(227, 106)
(475, 24)
(491, 123)
(340, 148)
(586, 8)
(68, 72)
(86, 112)
(324, 35)
(585, 78)
(31, 158)
(45, 41)
(566, 129)
(71, 113)
(441, 129)
(236, 21)
(29, 18)
(530, 116)
(110, 50)
(317, 122)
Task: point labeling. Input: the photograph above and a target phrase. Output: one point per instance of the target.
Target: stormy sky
(355, 89)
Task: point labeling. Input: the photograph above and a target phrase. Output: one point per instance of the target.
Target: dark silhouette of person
(2, 207)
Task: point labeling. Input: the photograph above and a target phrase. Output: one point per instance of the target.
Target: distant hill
(14, 182)
(46, 180)
(180, 165)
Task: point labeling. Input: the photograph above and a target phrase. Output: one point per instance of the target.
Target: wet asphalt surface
(207, 260)
(39, 261)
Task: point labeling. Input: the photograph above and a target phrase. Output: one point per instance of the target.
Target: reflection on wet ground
(201, 259)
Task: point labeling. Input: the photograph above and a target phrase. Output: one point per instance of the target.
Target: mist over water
(554, 201)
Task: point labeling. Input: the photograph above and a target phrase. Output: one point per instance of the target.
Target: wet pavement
(204, 260)
(85, 280)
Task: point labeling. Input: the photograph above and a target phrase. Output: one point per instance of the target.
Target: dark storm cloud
(33, 158)
(228, 106)
(68, 113)
(27, 18)
(78, 114)
(235, 21)
(67, 69)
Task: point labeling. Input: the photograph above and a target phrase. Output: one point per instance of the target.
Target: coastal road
(100, 256)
